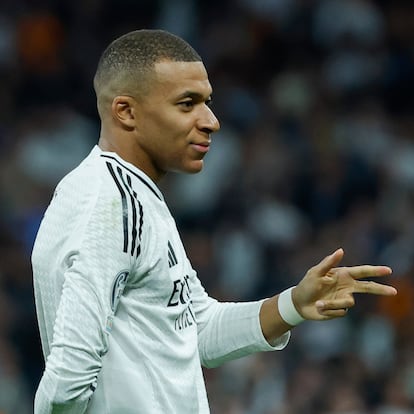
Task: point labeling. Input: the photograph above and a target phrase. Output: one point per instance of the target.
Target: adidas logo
(172, 258)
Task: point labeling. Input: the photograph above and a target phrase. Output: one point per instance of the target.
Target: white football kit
(124, 321)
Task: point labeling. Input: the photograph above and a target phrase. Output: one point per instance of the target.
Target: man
(125, 323)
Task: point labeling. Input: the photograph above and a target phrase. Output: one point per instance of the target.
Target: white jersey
(124, 321)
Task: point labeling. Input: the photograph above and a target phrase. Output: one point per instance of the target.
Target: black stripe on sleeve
(124, 205)
(141, 222)
(140, 214)
(134, 174)
(134, 210)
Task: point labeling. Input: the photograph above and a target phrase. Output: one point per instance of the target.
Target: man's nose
(209, 122)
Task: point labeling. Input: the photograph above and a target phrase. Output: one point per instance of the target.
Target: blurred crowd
(316, 151)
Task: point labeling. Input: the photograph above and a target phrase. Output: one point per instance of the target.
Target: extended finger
(373, 288)
(358, 272)
(329, 262)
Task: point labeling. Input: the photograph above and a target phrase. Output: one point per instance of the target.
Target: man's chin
(192, 168)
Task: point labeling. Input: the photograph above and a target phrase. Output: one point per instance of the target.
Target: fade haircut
(125, 64)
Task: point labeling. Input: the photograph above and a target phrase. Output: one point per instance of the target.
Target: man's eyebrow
(194, 95)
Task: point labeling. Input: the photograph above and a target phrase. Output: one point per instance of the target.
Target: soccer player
(125, 323)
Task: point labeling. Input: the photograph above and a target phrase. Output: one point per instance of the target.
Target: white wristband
(287, 309)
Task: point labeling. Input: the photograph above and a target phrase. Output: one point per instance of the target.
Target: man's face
(174, 120)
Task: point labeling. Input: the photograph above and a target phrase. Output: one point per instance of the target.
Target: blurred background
(316, 152)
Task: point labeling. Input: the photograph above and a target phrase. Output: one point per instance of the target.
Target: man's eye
(186, 104)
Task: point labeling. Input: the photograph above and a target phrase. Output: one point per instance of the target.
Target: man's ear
(123, 110)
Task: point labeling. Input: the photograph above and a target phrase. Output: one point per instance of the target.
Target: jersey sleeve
(228, 330)
(96, 269)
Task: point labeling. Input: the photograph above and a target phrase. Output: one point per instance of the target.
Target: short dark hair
(125, 63)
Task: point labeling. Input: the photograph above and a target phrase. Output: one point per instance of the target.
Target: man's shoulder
(129, 180)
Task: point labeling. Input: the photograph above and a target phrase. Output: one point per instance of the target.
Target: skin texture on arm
(325, 292)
